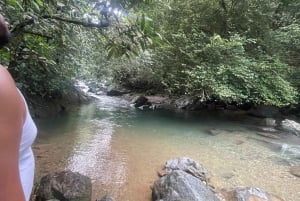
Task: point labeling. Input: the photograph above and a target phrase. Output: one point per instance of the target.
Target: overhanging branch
(77, 22)
(25, 23)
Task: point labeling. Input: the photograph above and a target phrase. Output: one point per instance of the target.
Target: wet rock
(65, 185)
(141, 101)
(248, 194)
(291, 126)
(166, 104)
(215, 132)
(268, 129)
(188, 103)
(179, 185)
(295, 170)
(115, 92)
(189, 166)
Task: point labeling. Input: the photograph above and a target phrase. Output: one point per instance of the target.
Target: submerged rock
(65, 185)
(248, 194)
(179, 185)
(295, 170)
(215, 132)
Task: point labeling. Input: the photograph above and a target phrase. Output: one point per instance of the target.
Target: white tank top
(26, 158)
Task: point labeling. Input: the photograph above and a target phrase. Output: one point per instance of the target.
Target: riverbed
(122, 148)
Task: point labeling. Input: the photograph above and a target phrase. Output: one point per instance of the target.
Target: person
(17, 133)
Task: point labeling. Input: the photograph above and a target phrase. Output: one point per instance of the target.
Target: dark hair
(4, 33)
(4, 39)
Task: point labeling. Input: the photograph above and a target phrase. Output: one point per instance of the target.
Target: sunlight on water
(93, 144)
(121, 149)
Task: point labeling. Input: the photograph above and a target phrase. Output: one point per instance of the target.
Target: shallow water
(122, 149)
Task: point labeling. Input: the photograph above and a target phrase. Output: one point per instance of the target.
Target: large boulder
(248, 194)
(291, 126)
(180, 186)
(264, 111)
(65, 185)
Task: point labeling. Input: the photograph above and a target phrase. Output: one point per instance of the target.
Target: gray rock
(189, 103)
(291, 126)
(181, 186)
(248, 194)
(189, 166)
(65, 185)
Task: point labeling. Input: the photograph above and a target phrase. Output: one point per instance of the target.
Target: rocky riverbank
(271, 117)
(64, 102)
(181, 179)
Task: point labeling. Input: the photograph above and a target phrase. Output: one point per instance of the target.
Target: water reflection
(92, 153)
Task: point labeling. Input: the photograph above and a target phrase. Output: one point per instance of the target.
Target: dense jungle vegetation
(236, 51)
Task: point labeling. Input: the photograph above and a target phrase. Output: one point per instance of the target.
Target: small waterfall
(284, 148)
(290, 151)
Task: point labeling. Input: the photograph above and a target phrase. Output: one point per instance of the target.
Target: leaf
(36, 6)
(111, 52)
(143, 21)
(16, 4)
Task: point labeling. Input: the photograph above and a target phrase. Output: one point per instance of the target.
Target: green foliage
(233, 51)
(52, 42)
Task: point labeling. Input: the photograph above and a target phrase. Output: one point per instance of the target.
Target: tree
(224, 50)
(46, 50)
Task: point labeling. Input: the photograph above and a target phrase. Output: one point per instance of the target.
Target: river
(121, 148)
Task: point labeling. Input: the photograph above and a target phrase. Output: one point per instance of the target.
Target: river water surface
(121, 149)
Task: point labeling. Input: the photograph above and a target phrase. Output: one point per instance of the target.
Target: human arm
(12, 115)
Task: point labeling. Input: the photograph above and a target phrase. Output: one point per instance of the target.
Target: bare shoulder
(6, 81)
(10, 98)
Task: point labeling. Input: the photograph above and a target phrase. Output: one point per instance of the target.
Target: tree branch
(22, 25)
(77, 22)
(38, 34)
(25, 23)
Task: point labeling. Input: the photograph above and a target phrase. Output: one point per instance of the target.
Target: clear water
(122, 149)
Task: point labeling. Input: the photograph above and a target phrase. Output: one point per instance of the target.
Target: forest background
(233, 51)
